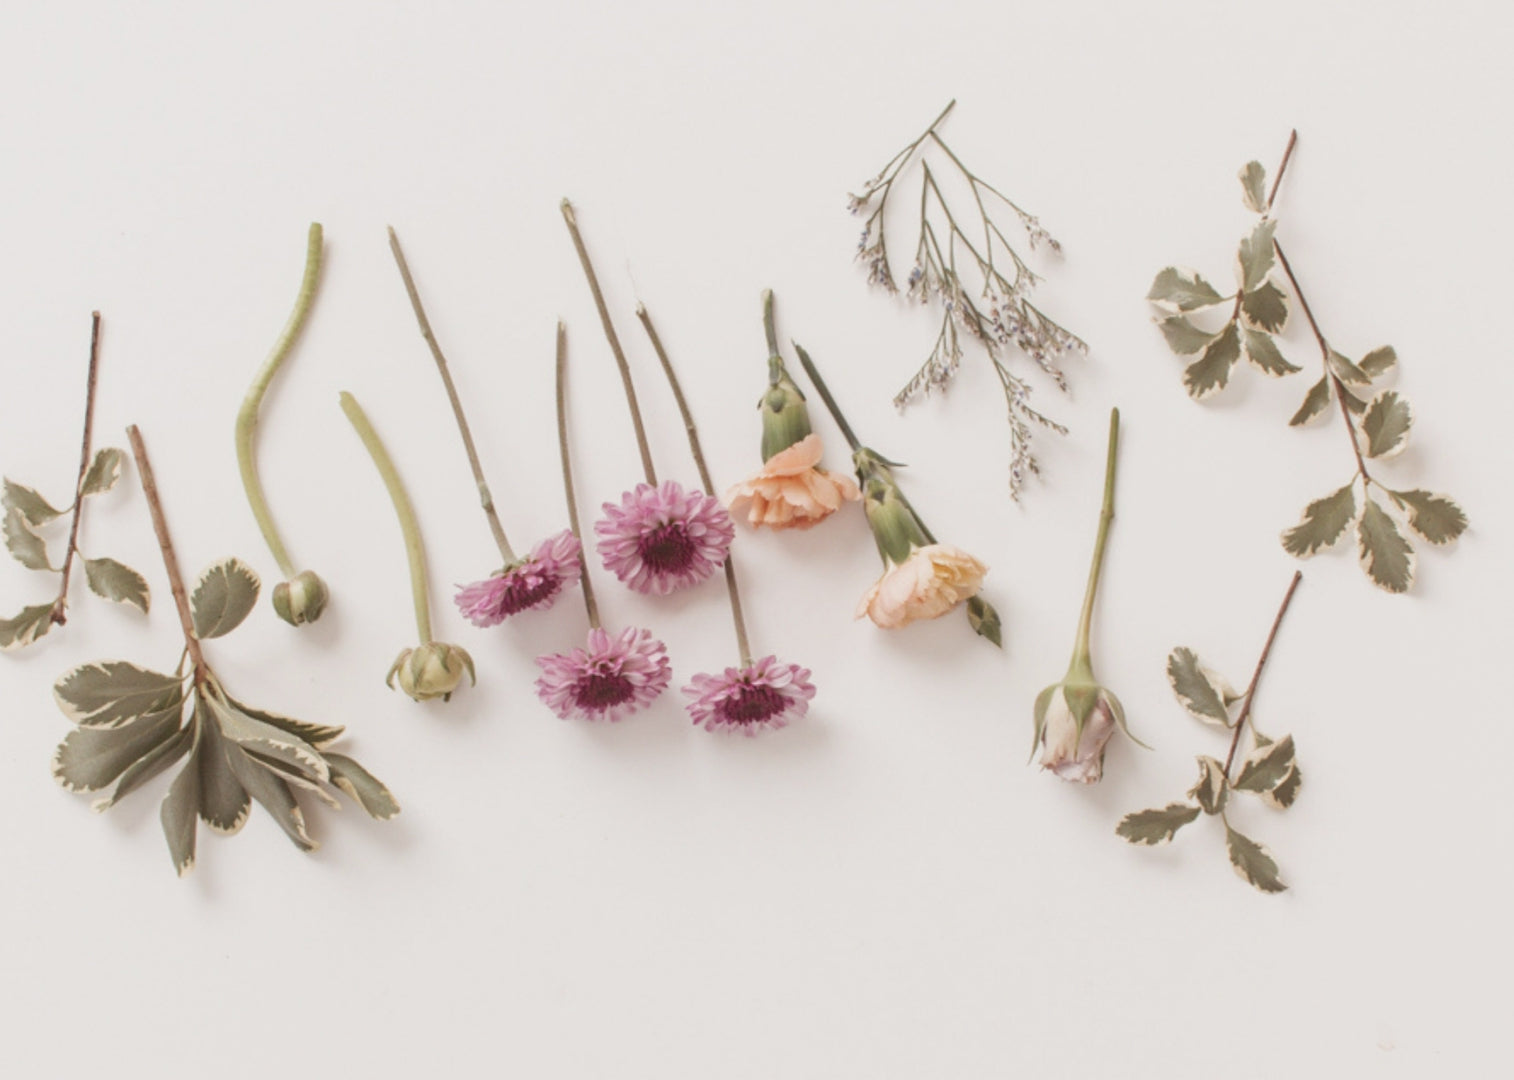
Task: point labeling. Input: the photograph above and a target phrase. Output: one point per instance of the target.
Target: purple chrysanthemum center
(752, 705)
(525, 591)
(662, 538)
(758, 697)
(667, 549)
(598, 691)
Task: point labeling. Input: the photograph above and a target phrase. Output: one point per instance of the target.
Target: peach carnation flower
(791, 491)
(933, 580)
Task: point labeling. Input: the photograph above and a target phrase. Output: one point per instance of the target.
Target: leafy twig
(59, 615)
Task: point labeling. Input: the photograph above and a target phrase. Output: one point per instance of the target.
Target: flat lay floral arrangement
(975, 259)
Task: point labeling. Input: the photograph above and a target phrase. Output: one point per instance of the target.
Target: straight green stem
(1080, 653)
(768, 326)
(567, 471)
(414, 547)
(825, 396)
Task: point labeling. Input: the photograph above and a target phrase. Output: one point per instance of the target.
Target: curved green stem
(1081, 663)
(247, 417)
(414, 547)
(590, 605)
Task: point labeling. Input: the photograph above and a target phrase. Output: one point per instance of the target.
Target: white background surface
(885, 890)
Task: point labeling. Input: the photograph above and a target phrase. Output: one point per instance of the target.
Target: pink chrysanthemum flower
(663, 538)
(609, 680)
(530, 584)
(768, 694)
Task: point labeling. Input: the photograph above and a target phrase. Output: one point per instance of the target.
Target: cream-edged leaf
(180, 813)
(1379, 362)
(1434, 517)
(1182, 336)
(108, 694)
(1265, 307)
(224, 803)
(118, 582)
(316, 735)
(1177, 288)
(1382, 550)
(1254, 187)
(1211, 371)
(1263, 352)
(26, 626)
(253, 734)
(103, 472)
(1386, 424)
(1155, 827)
(362, 786)
(1253, 862)
(29, 503)
(223, 597)
(273, 793)
(148, 766)
(91, 759)
(1346, 371)
(1285, 791)
(1325, 521)
(23, 542)
(1265, 767)
(1211, 790)
(1255, 255)
(1199, 690)
(1316, 401)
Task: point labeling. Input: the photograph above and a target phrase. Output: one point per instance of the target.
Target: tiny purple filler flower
(529, 584)
(663, 538)
(609, 680)
(760, 696)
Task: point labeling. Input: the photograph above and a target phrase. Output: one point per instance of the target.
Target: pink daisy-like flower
(531, 584)
(609, 680)
(766, 695)
(664, 538)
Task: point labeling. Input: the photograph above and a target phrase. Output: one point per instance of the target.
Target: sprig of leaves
(133, 723)
(27, 514)
(1269, 770)
(990, 305)
(1377, 419)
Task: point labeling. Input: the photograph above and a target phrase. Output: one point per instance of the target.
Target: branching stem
(1250, 695)
(60, 606)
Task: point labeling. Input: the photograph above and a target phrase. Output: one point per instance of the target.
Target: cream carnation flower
(933, 580)
(791, 491)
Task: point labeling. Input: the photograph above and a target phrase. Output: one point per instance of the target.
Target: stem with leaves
(1250, 695)
(590, 605)
(60, 607)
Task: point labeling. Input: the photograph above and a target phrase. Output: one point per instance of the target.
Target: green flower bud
(302, 599)
(785, 416)
(432, 670)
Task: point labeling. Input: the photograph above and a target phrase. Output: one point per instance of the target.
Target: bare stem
(247, 416)
(1277, 178)
(484, 497)
(170, 560)
(1250, 695)
(1106, 518)
(415, 549)
(825, 396)
(704, 470)
(60, 606)
(620, 357)
(567, 471)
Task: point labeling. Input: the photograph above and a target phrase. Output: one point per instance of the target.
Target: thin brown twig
(567, 473)
(60, 607)
(1250, 695)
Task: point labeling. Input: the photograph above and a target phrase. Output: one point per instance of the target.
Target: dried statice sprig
(1377, 419)
(1269, 770)
(302, 596)
(27, 512)
(990, 305)
(134, 723)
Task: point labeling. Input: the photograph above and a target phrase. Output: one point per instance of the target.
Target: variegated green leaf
(1266, 307)
(253, 734)
(90, 759)
(1199, 690)
(984, 620)
(1285, 791)
(103, 472)
(31, 505)
(224, 803)
(362, 786)
(1386, 424)
(1211, 790)
(223, 597)
(1154, 827)
(1182, 336)
(1253, 862)
(1382, 550)
(1262, 351)
(315, 734)
(1325, 522)
(107, 695)
(1254, 187)
(1316, 401)
(1379, 362)
(1180, 289)
(273, 793)
(148, 766)
(1434, 517)
(1354, 403)
(118, 582)
(1265, 767)
(26, 627)
(1255, 255)
(291, 772)
(180, 813)
(1210, 372)
(1346, 371)
(23, 542)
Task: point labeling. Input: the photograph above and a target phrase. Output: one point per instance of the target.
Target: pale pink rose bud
(1070, 748)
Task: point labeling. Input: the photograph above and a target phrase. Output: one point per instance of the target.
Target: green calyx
(896, 529)
(785, 416)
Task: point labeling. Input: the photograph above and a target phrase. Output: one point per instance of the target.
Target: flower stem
(825, 396)
(1080, 653)
(60, 606)
(414, 548)
(704, 470)
(170, 560)
(484, 496)
(620, 357)
(767, 325)
(1250, 695)
(247, 417)
(590, 605)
